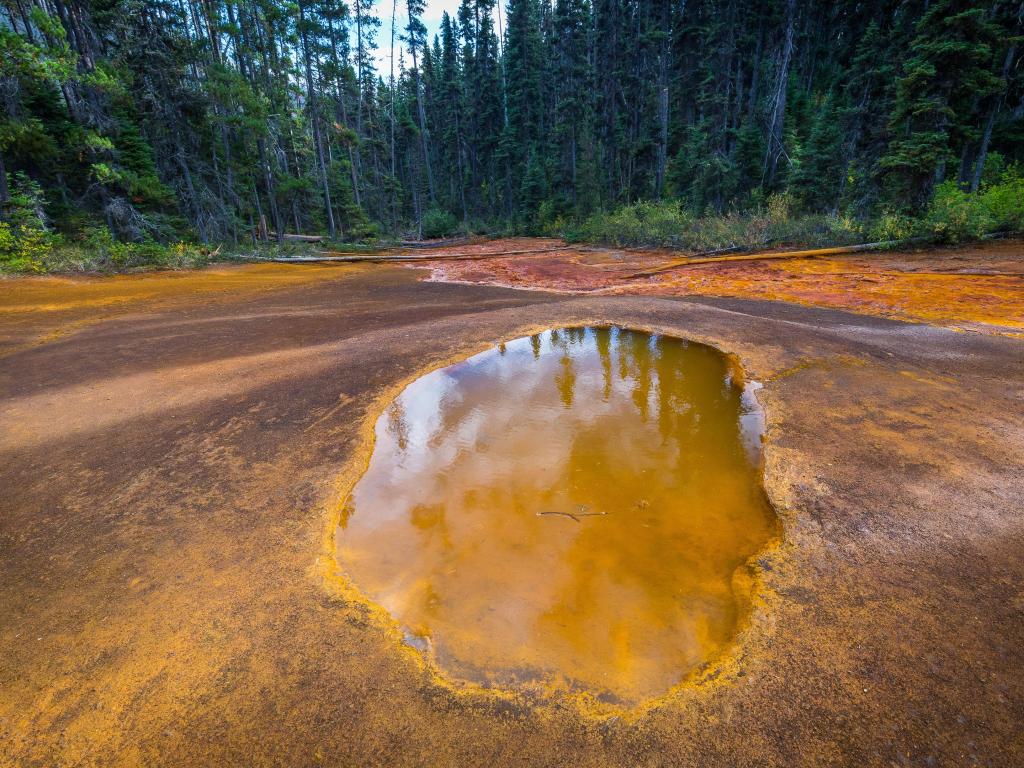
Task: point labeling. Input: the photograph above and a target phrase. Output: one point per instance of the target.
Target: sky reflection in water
(566, 509)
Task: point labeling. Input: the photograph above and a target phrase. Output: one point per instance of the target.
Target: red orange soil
(976, 287)
(171, 457)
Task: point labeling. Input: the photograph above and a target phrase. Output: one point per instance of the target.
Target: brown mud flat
(172, 463)
(978, 288)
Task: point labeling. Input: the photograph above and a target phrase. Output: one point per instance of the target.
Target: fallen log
(438, 243)
(376, 258)
(343, 259)
(801, 254)
(499, 254)
(730, 250)
(298, 238)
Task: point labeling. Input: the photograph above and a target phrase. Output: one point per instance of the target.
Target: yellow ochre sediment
(571, 515)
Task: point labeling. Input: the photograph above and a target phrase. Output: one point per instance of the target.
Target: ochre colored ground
(171, 466)
(42, 309)
(979, 288)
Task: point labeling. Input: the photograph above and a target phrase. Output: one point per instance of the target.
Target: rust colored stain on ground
(173, 466)
(974, 288)
(54, 306)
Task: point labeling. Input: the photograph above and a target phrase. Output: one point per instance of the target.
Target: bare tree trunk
(986, 136)
(197, 212)
(356, 157)
(268, 181)
(501, 66)
(391, 83)
(314, 118)
(755, 76)
(5, 193)
(424, 135)
(25, 22)
(659, 179)
(460, 161)
(777, 116)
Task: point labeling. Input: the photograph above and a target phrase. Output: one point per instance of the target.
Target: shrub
(1004, 200)
(894, 226)
(24, 238)
(438, 223)
(23, 249)
(780, 207)
(643, 223)
(954, 215)
(95, 249)
(668, 224)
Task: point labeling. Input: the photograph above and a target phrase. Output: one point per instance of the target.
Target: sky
(431, 20)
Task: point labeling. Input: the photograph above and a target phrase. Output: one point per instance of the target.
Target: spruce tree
(948, 70)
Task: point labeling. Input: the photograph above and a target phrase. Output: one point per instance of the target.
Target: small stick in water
(563, 514)
(575, 516)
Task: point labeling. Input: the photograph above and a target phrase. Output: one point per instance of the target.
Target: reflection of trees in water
(649, 583)
(669, 372)
(565, 380)
(685, 390)
(622, 355)
(576, 336)
(603, 343)
(398, 425)
(635, 355)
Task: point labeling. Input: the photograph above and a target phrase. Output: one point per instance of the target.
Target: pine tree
(229, 120)
(524, 99)
(948, 70)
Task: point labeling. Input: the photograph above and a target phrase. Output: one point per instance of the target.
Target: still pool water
(567, 510)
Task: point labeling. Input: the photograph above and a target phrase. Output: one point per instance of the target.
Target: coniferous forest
(221, 121)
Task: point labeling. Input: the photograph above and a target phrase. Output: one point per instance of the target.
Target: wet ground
(172, 467)
(974, 288)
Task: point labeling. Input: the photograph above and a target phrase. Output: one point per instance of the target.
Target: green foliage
(955, 215)
(1004, 200)
(644, 223)
(553, 216)
(949, 70)
(438, 223)
(24, 238)
(668, 224)
(819, 159)
(533, 186)
(130, 117)
(107, 253)
(893, 226)
(96, 250)
(22, 250)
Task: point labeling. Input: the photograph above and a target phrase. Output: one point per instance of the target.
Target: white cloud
(431, 20)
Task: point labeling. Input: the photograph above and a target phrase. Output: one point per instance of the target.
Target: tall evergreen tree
(949, 69)
(229, 120)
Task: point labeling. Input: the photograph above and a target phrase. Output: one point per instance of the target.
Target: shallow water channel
(569, 510)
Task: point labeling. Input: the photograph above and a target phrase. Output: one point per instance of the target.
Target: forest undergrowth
(954, 215)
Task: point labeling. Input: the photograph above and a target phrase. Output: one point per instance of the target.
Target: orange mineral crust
(978, 288)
